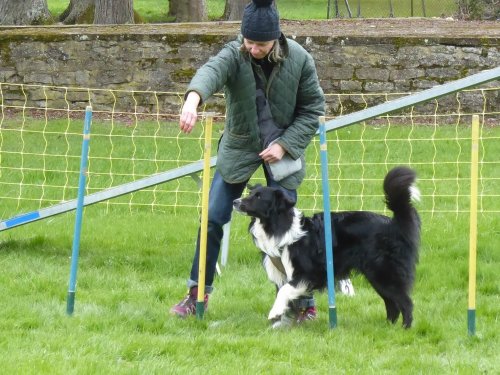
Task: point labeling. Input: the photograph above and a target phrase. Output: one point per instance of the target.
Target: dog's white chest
(273, 245)
(267, 244)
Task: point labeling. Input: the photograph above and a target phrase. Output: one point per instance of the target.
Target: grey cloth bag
(270, 133)
(284, 167)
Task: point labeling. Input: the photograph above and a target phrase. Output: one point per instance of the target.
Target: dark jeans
(220, 207)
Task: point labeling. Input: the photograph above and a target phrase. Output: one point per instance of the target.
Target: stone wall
(352, 56)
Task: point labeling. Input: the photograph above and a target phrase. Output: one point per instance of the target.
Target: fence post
(471, 313)
(200, 302)
(332, 310)
(79, 212)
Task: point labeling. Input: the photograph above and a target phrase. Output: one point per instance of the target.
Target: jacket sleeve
(309, 106)
(213, 75)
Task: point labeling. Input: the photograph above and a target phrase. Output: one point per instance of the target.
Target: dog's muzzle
(237, 205)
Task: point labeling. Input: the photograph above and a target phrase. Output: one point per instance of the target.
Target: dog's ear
(251, 187)
(283, 200)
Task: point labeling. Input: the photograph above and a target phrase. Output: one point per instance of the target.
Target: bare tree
(234, 9)
(172, 8)
(98, 11)
(188, 10)
(24, 12)
(78, 11)
(114, 11)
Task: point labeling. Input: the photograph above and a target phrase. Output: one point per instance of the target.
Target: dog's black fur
(383, 249)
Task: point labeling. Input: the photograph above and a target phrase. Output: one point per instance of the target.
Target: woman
(273, 100)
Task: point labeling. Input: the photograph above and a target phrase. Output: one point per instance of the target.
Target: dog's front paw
(284, 322)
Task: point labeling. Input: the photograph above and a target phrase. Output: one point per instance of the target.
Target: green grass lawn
(134, 262)
(132, 270)
(154, 11)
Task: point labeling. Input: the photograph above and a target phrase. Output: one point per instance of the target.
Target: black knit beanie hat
(261, 22)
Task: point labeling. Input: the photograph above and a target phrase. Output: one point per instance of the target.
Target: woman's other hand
(273, 153)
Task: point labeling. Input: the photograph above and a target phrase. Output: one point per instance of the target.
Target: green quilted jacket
(295, 98)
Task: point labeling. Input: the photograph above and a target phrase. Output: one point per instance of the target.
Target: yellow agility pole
(200, 302)
(471, 312)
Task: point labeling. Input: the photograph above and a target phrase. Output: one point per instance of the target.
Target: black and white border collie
(383, 249)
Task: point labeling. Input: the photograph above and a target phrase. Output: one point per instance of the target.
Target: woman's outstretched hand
(189, 113)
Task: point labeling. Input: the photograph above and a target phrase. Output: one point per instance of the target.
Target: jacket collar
(284, 45)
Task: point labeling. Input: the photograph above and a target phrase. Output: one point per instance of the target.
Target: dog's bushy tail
(400, 190)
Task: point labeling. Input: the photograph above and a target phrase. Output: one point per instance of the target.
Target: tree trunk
(24, 12)
(172, 8)
(78, 12)
(188, 10)
(114, 11)
(234, 10)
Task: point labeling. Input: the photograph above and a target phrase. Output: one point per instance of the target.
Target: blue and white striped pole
(79, 211)
(332, 310)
